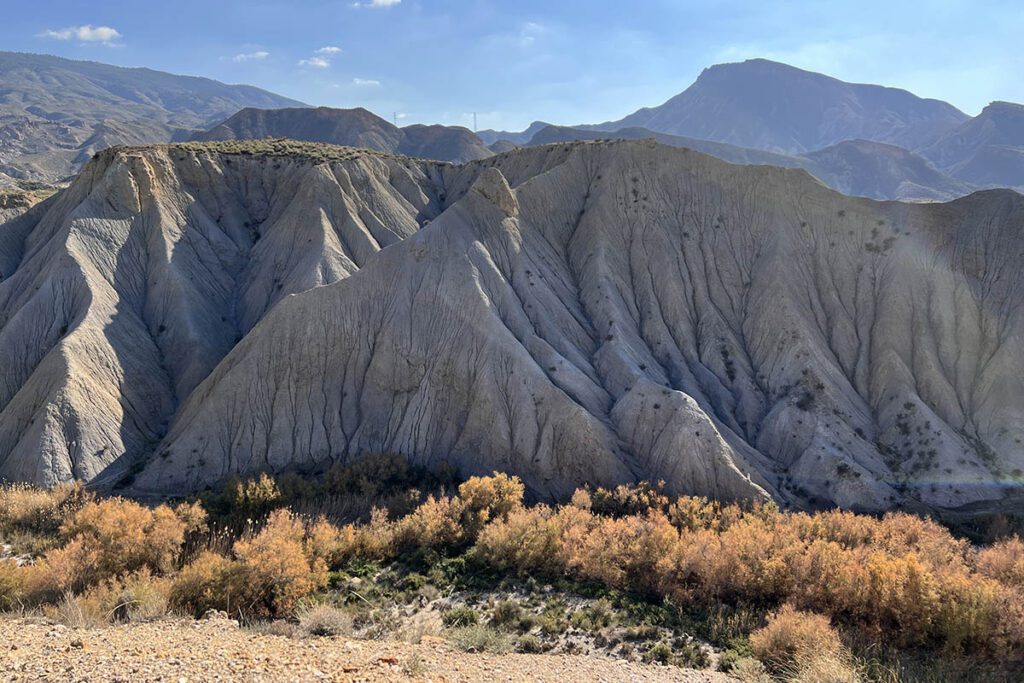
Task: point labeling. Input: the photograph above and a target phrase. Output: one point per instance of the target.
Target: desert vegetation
(629, 572)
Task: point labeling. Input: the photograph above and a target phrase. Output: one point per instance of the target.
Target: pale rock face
(140, 277)
(583, 313)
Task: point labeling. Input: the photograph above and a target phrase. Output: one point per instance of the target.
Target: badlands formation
(571, 313)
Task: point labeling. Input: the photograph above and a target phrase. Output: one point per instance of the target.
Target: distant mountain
(351, 127)
(775, 107)
(730, 153)
(492, 136)
(987, 150)
(874, 169)
(853, 167)
(56, 113)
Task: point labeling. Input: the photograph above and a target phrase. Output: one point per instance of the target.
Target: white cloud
(250, 56)
(87, 34)
(315, 62)
(377, 3)
(366, 82)
(328, 50)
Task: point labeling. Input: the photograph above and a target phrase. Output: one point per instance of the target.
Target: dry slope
(593, 312)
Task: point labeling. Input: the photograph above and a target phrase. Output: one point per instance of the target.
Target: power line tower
(395, 116)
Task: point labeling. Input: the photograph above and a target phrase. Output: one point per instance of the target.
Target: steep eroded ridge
(604, 312)
(132, 284)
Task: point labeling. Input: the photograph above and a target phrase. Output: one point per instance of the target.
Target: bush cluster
(898, 578)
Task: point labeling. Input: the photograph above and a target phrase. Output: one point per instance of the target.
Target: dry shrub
(104, 540)
(12, 586)
(249, 499)
(624, 552)
(268, 577)
(792, 637)
(78, 611)
(326, 620)
(209, 582)
(436, 524)
(28, 509)
(495, 496)
(1003, 561)
(141, 597)
(629, 499)
(277, 569)
(526, 541)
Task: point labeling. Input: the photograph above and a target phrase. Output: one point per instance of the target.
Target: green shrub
(460, 616)
(479, 638)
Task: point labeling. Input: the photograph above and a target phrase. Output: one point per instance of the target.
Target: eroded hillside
(596, 312)
(132, 284)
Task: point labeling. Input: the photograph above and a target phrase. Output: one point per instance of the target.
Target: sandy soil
(180, 651)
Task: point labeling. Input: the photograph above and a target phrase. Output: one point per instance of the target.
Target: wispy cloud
(105, 35)
(315, 62)
(377, 3)
(250, 56)
(321, 57)
(366, 82)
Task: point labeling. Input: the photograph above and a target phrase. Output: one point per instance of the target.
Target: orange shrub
(625, 552)
(106, 539)
(792, 637)
(436, 523)
(276, 568)
(211, 581)
(1003, 561)
(487, 498)
(526, 541)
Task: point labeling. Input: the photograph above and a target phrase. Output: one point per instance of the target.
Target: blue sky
(562, 61)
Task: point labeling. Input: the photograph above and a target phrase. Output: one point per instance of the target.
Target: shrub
(1003, 561)
(141, 597)
(792, 637)
(480, 639)
(629, 499)
(506, 613)
(276, 569)
(529, 644)
(251, 498)
(460, 616)
(489, 498)
(12, 585)
(326, 620)
(27, 509)
(107, 539)
(433, 525)
(526, 541)
(209, 582)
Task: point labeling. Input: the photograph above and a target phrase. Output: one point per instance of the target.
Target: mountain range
(56, 113)
(867, 140)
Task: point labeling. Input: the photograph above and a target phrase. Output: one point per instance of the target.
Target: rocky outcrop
(572, 313)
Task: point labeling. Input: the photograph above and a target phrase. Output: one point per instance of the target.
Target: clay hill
(580, 312)
(351, 127)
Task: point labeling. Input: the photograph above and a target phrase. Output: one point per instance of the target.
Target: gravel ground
(179, 651)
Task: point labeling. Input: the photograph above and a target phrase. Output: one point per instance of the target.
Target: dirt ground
(183, 651)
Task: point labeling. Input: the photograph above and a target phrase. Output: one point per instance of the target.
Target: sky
(516, 61)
